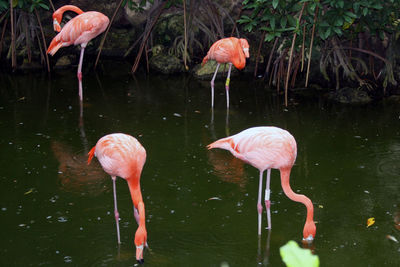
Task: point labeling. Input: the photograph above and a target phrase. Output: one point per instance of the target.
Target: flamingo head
(56, 22)
(140, 242)
(245, 47)
(309, 232)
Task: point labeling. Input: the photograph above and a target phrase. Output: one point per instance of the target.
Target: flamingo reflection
(227, 168)
(74, 174)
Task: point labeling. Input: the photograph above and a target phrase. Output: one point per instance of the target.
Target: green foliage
(29, 5)
(335, 17)
(294, 256)
(4, 5)
(138, 7)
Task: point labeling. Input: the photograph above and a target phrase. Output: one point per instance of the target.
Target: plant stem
(105, 34)
(291, 58)
(258, 53)
(311, 45)
(44, 41)
(185, 35)
(13, 52)
(144, 40)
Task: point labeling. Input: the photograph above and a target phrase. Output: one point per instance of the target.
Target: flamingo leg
(79, 74)
(267, 201)
(228, 79)
(115, 208)
(259, 206)
(212, 84)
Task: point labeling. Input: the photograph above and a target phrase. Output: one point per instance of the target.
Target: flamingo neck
(59, 12)
(239, 60)
(136, 195)
(285, 177)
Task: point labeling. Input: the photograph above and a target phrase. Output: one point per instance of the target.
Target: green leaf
(356, 6)
(294, 256)
(269, 37)
(340, 4)
(338, 21)
(377, 6)
(272, 23)
(275, 3)
(365, 11)
(283, 22)
(350, 14)
(44, 6)
(337, 30)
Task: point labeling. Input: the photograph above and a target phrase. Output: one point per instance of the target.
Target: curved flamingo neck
(59, 12)
(136, 195)
(285, 177)
(239, 59)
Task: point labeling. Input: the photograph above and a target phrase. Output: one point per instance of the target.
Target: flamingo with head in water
(227, 50)
(269, 148)
(122, 155)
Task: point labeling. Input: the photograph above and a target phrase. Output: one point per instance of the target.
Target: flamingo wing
(265, 147)
(79, 30)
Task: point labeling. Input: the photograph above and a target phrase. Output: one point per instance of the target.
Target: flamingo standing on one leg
(269, 148)
(122, 155)
(79, 30)
(227, 50)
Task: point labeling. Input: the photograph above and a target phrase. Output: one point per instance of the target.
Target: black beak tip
(140, 261)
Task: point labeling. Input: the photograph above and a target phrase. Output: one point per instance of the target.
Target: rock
(349, 95)
(207, 71)
(117, 42)
(26, 66)
(63, 62)
(166, 64)
(393, 99)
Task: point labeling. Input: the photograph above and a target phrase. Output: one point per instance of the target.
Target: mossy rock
(166, 64)
(349, 95)
(63, 62)
(207, 71)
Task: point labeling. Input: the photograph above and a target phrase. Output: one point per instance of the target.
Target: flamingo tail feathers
(54, 46)
(224, 143)
(91, 155)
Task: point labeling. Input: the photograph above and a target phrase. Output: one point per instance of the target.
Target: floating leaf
(214, 198)
(294, 256)
(29, 191)
(390, 237)
(320, 206)
(370, 221)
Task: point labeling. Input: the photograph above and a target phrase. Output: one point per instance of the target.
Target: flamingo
(122, 155)
(78, 31)
(267, 148)
(227, 50)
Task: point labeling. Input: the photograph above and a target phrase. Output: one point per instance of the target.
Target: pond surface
(200, 205)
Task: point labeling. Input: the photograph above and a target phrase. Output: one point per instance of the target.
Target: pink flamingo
(79, 30)
(227, 50)
(122, 155)
(268, 148)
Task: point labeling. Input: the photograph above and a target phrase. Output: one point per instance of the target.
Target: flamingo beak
(139, 254)
(308, 240)
(56, 25)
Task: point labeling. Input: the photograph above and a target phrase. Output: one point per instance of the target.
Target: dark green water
(200, 205)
